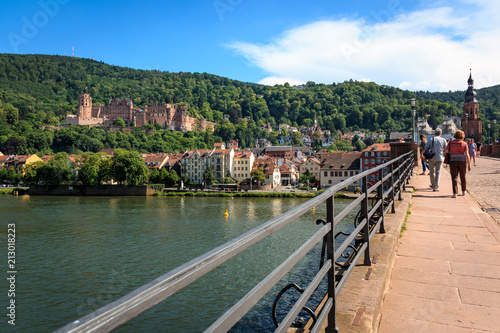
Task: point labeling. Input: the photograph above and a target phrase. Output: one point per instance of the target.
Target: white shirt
(438, 148)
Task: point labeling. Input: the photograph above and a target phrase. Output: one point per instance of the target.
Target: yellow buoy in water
(226, 214)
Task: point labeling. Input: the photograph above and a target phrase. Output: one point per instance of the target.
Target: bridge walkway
(446, 277)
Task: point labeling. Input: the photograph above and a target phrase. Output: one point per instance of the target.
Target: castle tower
(85, 106)
(471, 123)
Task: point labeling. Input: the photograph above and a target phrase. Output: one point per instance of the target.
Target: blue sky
(411, 44)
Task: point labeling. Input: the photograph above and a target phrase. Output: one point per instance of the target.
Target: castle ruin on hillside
(169, 116)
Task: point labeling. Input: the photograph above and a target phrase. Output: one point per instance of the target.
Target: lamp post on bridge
(414, 113)
(494, 130)
(489, 130)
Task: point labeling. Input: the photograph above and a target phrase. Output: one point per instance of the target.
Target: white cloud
(428, 49)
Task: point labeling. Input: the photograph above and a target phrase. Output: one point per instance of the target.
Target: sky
(411, 44)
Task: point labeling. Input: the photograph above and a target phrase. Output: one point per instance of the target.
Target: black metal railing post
(404, 174)
(393, 188)
(400, 177)
(366, 236)
(330, 253)
(380, 194)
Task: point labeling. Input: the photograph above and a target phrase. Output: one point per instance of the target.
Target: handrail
(131, 305)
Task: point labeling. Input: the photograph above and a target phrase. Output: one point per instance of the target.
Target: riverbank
(245, 194)
(13, 190)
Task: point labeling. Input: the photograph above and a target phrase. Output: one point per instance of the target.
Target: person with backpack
(425, 165)
(435, 149)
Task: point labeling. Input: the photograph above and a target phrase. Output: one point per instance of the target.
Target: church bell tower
(471, 123)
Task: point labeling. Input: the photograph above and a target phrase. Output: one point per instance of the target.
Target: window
(346, 173)
(351, 173)
(326, 173)
(373, 154)
(331, 173)
(329, 181)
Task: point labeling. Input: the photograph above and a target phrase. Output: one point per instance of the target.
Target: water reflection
(79, 253)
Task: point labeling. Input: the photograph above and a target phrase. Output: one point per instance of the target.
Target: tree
(332, 147)
(119, 122)
(359, 145)
(128, 168)
(307, 176)
(344, 145)
(155, 177)
(55, 171)
(209, 176)
(88, 173)
(31, 172)
(257, 175)
(297, 139)
(12, 146)
(172, 178)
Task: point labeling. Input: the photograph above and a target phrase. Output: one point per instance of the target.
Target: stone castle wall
(169, 116)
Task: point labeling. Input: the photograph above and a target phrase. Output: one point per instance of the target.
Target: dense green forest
(40, 90)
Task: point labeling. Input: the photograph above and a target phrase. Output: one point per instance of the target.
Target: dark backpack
(429, 153)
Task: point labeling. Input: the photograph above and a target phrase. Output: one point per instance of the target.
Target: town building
(262, 143)
(373, 156)
(471, 122)
(242, 165)
(270, 169)
(289, 171)
(233, 144)
(195, 164)
(17, 162)
(155, 161)
(174, 163)
(338, 169)
(313, 165)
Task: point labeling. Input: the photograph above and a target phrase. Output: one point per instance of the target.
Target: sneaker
(454, 196)
(463, 193)
(436, 190)
(431, 186)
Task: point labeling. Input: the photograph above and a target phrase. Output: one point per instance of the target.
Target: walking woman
(459, 161)
(472, 150)
(425, 164)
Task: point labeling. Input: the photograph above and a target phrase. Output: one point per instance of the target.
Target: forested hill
(43, 89)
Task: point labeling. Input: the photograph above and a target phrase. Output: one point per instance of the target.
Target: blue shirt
(438, 148)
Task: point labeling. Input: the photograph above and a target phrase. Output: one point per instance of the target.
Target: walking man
(437, 145)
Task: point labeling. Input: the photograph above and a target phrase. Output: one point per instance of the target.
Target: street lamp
(489, 130)
(413, 112)
(494, 130)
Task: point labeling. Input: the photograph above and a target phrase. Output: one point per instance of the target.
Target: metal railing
(357, 244)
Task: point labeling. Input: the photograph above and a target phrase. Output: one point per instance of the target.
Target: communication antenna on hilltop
(72, 51)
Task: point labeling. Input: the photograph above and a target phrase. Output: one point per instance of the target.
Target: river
(76, 254)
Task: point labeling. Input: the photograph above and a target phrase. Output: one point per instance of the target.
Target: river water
(77, 254)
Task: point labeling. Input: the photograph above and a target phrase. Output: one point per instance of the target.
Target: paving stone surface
(483, 183)
(446, 277)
